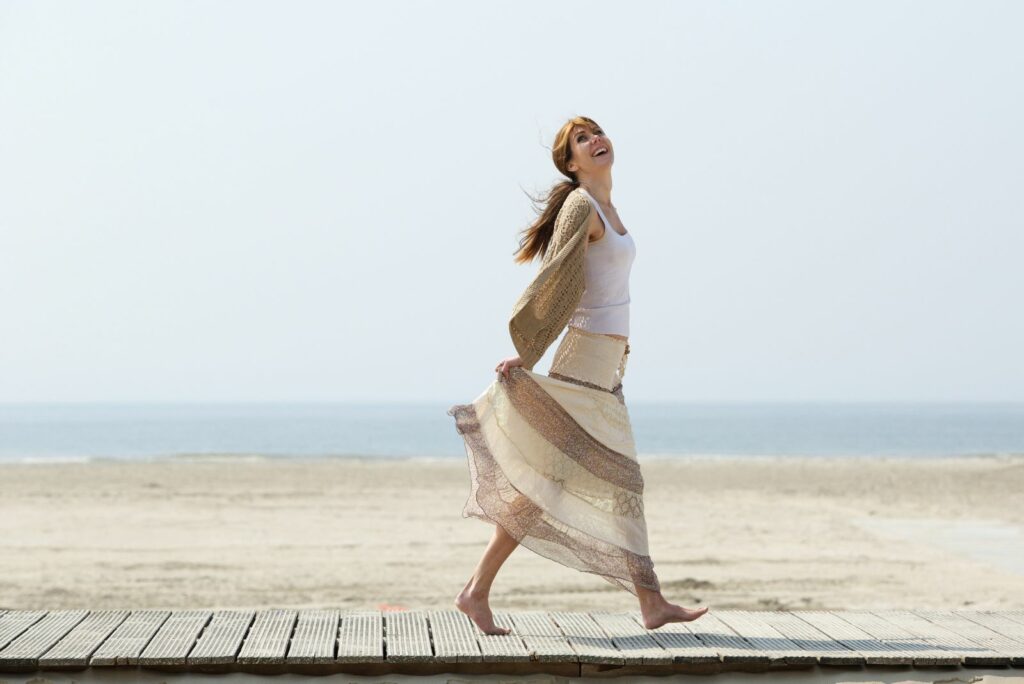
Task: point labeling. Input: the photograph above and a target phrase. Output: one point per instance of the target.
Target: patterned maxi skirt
(552, 460)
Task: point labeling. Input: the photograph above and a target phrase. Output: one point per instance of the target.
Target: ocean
(82, 432)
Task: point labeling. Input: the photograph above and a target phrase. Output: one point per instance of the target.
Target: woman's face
(592, 151)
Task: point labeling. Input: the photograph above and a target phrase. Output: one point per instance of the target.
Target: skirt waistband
(590, 359)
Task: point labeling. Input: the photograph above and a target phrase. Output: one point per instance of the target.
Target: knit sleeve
(547, 304)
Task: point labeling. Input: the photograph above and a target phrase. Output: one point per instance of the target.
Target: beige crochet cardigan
(547, 304)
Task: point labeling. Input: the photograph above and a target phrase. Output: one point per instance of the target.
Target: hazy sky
(320, 200)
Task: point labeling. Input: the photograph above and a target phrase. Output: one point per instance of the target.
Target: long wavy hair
(535, 239)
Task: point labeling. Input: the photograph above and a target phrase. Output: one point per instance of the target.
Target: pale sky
(320, 200)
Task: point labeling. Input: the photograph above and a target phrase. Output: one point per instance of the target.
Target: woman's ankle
(649, 599)
(476, 592)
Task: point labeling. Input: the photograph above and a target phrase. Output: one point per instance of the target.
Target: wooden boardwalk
(568, 644)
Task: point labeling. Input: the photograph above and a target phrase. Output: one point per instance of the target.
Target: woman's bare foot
(656, 611)
(478, 611)
(671, 613)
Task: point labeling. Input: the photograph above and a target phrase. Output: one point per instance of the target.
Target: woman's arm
(545, 307)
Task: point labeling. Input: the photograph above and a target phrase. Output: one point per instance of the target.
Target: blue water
(82, 432)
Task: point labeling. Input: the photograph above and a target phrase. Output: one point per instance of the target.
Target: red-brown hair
(536, 238)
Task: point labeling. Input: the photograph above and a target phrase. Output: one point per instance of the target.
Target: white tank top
(604, 307)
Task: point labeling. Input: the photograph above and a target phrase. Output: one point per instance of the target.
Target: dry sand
(752, 533)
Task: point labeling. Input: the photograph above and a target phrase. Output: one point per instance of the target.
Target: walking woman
(552, 460)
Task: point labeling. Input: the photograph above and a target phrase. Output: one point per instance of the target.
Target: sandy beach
(748, 533)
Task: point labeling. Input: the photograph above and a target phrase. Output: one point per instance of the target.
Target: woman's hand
(505, 365)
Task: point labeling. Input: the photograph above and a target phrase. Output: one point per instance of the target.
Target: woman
(552, 460)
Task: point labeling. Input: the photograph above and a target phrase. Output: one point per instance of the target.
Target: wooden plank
(24, 651)
(587, 638)
(14, 622)
(221, 641)
(630, 639)
(976, 632)
(764, 637)
(267, 641)
(361, 637)
(129, 639)
(316, 634)
(542, 638)
(811, 639)
(407, 637)
(78, 645)
(997, 622)
(505, 648)
(175, 638)
(680, 641)
(970, 652)
(723, 640)
(454, 637)
(873, 651)
(921, 652)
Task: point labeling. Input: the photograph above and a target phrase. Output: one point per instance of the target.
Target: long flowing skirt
(552, 460)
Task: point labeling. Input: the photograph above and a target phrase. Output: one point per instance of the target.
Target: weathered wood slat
(454, 636)
(129, 639)
(316, 634)
(175, 638)
(921, 652)
(24, 650)
(361, 637)
(681, 642)
(997, 622)
(78, 645)
(976, 632)
(14, 622)
(970, 652)
(267, 641)
(503, 648)
(587, 638)
(542, 638)
(811, 639)
(873, 651)
(634, 642)
(221, 641)
(730, 646)
(766, 638)
(407, 637)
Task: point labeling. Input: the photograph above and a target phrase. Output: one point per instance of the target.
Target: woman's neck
(600, 189)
